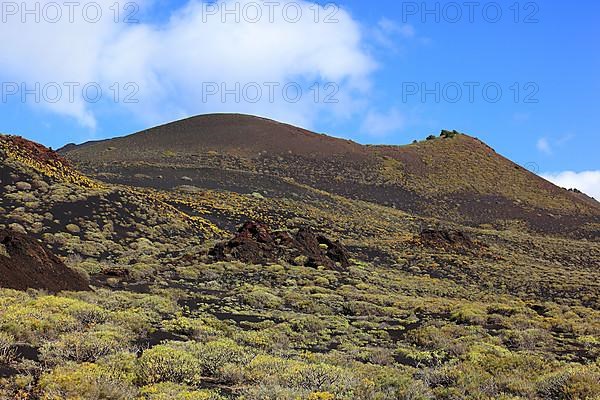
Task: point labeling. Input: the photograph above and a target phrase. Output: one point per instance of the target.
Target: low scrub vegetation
(216, 335)
(503, 315)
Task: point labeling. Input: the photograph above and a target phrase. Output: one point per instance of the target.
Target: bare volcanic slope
(25, 263)
(454, 176)
(235, 134)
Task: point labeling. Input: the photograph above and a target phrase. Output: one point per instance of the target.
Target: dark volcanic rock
(25, 264)
(335, 251)
(255, 243)
(254, 232)
(117, 272)
(320, 250)
(446, 238)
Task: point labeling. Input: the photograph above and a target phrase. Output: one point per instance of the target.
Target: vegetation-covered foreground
(230, 330)
(479, 314)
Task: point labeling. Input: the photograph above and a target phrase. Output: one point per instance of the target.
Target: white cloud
(389, 34)
(586, 181)
(380, 124)
(172, 62)
(544, 146)
(547, 146)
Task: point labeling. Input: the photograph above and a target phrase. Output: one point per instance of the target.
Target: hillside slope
(326, 297)
(25, 264)
(457, 178)
(43, 195)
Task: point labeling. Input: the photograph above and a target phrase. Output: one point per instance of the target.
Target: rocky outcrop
(255, 243)
(445, 238)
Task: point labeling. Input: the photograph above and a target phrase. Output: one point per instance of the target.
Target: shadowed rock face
(254, 243)
(25, 264)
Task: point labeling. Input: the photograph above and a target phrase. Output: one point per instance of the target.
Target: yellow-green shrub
(168, 363)
(574, 383)
(47, 317)
(173, 391)
(84, 381)
(85, 346)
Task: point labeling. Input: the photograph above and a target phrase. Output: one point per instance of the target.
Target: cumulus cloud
(380, 124)
(390, 35)
(174, 63)
(586, 181)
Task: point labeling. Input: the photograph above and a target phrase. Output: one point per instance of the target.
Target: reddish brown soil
(235, 133)
(35, 151)
(29, 265)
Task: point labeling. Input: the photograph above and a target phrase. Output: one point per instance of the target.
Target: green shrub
(272, 392)
(121, 366)
(321, 396)
(309, 377)
(85, 381)
(262, 299)
(576, 383)
(173, 391)
(135, 321)
(264, 367)
(213, 356)
(419, 357)
(319, 377)
(85, 346)
(471, 314)
(47, 317)
(7, 352)
(448, 134)
(265, 339)
(168, 363)
(3, 251)
(528, 339)
(196, 328)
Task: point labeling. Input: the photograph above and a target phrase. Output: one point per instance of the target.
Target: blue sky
(374, 59)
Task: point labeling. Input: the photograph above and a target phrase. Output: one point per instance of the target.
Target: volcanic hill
(454, 177)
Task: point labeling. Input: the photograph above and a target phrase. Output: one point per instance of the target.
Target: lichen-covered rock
(72, 228)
